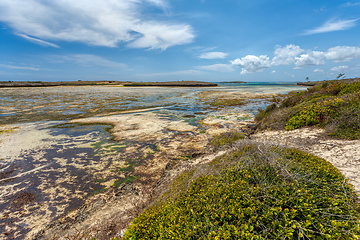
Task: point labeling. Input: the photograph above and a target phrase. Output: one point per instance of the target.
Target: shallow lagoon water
(57, 165)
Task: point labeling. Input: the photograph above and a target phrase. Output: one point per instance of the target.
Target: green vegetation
(226, 139)
(129, 167)
(128, 179)
(333, 105)
(99, 191)
(5, 129)
(254, 192)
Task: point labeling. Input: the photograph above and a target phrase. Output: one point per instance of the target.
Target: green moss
(129, 167)
(128, 179)
(99, 191)
(255, 192)
(5, 130)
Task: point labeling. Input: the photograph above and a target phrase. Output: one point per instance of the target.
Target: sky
(166, 40)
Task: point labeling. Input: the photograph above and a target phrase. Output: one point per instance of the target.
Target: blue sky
(160, 40)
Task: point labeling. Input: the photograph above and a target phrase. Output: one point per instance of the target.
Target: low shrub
(333, 105)
(314, 113)
(226, 139)
(264, 113)
(255, 192)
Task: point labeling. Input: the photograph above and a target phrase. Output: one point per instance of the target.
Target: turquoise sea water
(65, 103)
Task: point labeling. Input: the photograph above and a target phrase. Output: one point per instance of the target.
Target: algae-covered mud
(62, 145)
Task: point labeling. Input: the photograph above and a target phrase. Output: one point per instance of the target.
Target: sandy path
(343, 154)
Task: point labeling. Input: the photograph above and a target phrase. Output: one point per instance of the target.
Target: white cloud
(92, 60)
(343, 53)
(19, 67)
(339, 68)
(318, 71)
(161, 35)
(273, 71)
(349, 4)
(286, 55)
(332, 25)
(310, 59)
(99, 22)
(290, 54)
(38, 41)
(251, 63)
(213, 55)
(218, 67)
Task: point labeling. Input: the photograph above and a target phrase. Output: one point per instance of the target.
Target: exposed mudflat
(100, 155)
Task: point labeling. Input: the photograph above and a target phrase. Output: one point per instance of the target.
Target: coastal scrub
(254, 192)
(332, 105)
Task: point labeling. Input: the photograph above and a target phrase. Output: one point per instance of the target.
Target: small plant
(340, 76)
(263, 113)
(128, 179)
(226, 139)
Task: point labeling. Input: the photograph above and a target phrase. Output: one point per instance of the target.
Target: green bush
(226, 139)
(314, 113)
(333, 105)
(264, 113)
(255, 192)
(351, 88)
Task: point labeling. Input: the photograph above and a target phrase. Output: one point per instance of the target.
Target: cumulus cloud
(99, 22)
(318, 71)
(251, 63)
(218, 67)
(343, 53)
(331, 26)
(286, 55)
(310, 59)
(339, 68)
(292, 54)
(213, 55)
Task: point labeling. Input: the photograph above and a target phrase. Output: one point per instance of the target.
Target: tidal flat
(61, 146)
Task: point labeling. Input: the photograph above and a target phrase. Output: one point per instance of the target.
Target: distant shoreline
(11, 84)
(235, 82)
